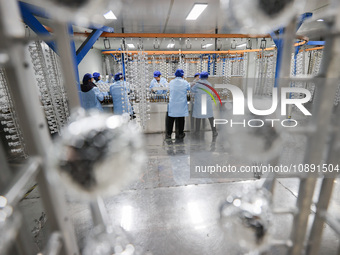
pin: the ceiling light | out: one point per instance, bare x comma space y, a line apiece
207, 45
241, 45
320, 20
196, 11
170, 45
131, 46
110, 15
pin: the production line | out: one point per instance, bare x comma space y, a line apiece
160, 127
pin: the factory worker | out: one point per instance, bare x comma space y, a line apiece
158, 81
91, 95
178, 106
197, 92
97, 77
196, 78
102, 86
119, 91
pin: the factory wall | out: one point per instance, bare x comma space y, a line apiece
91, 63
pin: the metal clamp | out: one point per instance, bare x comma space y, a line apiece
156, 44
188, 43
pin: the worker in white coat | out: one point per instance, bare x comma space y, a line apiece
158, 82
197, 91
91, 96
178, 106
102, 86
119, 91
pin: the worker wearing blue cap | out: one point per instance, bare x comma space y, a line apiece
91, 95
102, 86
96, 76
178, 106
197, 91
196, 78
158, 82
119, 91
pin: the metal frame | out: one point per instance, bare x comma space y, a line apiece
279, 42
38, 141
317, 145
35, 133
34, 24
87, 44
28, 11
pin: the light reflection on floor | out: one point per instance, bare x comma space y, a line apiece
166, 212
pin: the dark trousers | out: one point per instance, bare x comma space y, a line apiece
198, 124
169, 122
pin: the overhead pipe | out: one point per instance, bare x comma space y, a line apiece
167, 35
155, 52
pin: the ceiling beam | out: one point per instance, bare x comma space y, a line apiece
150, 52
161, 35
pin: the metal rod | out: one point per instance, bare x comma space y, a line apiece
67, 64
314, 241
293, 210
5, 173
156, 52
331, 221
321, 117
99, 213
54, 244
174, 35
326, 190
38, 141
16, 188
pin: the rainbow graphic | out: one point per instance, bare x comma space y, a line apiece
208, 92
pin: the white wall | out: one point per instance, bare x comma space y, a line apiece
91, 63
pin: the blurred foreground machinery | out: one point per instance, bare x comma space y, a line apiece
38, 93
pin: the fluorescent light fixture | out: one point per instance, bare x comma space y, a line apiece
170, 45
241, 45
110, 15
320, 20
196, 11
207, 45
107, 44
131, 46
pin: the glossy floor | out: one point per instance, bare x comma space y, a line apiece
166, 212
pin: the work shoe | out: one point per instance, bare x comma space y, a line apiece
181, 136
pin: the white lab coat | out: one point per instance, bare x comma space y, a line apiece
178, 106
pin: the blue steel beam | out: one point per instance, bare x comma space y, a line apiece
87, 45
316, 43
214, 61
28, 10
102, 28
209, 65
123, 66
34, 10
74, 57
35, 25
302, 18
278, 40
